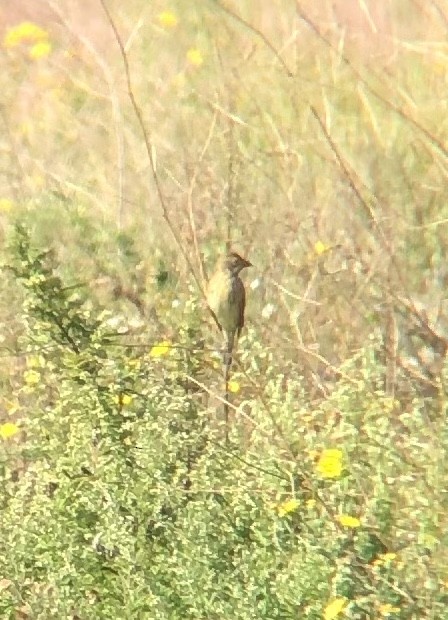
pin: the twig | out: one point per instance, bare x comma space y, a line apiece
115, 103
257, 32
373, 91
150, 150
190, 198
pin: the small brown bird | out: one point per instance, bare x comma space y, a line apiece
226, 298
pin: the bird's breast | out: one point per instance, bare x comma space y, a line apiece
222, 297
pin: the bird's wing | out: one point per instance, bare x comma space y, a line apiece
242, 306
215, 319
212, 294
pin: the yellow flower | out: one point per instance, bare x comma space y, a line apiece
348, 521
384, 559
168, 19
333, 609
123, 399
195, 57
160, 349
329, 464
35, 361
25, 31
387, 609
233, 387
7, 430
31, 377
285, 508
320, 248
5, 205
134, 363
387, 557
40, 50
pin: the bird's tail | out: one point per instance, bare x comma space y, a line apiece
227, 361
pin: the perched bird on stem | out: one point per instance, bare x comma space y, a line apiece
226, 298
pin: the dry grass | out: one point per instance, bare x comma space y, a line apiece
311, 139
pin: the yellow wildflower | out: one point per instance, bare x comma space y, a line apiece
134, 363
387, 557
40, 50
195, 57
160, 349
384, 559
5, 205
320, 248
348, 521
31, 377
7, 430
25, 31
168, 19
285, 508
35, 361
333, 609
123, 399
233, 387
329, 464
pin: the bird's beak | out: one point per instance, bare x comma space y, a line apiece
247, 263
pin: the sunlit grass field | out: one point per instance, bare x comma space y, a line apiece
138, 141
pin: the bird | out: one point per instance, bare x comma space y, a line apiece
226, 298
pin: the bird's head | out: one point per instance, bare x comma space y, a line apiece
234, 263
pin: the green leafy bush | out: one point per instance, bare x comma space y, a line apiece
122, 499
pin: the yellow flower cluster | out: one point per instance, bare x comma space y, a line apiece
30, 33
334, 608
6, 205
320, 248
233, 387
167, 19
195, 57
123, 400
384, 559
7, 430
329, 464
160, 349
287, 507
348, 521
40, 50
31, 377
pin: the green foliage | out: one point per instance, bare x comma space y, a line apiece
121, 499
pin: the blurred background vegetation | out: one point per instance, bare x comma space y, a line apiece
137, 141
